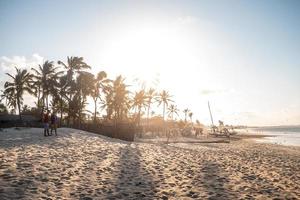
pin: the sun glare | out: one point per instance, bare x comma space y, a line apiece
150, 50
163, 55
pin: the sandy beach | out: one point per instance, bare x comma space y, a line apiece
82, 165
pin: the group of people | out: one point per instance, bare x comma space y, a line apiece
50, 120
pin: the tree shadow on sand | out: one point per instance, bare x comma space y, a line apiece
14, 186
214, 181
133, 181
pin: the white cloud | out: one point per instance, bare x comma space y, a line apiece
7, 64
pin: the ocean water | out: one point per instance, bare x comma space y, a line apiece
283, 135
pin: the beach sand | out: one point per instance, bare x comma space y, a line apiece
81, 165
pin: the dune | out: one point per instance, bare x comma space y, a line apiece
82, 165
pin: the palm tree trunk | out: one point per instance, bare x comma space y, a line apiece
164, 111
61, 112
43, 106
95, 113
148, 111
79, 116
69, 109
39, 97
164, 127
47, 101
19, 108
68, 119
139, 117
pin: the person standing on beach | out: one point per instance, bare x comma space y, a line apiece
53, 125
46, 123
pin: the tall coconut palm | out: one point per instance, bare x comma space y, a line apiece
107, 102
150, 96
164, 98
45, 77
74, 64
191, 116
99, 87
173, 110
139, 101
3, 109
76, 107
10, 99
185, 111
84, 86
59, 94
117, 101
14, 91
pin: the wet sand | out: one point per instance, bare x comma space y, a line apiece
82, 165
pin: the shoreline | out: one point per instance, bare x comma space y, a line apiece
277, 137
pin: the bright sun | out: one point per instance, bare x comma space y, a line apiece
151, 51
163, 56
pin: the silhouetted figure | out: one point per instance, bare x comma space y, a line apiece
46, 123
53, 125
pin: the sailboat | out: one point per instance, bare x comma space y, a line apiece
220, 131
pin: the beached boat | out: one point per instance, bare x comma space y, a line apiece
221, 130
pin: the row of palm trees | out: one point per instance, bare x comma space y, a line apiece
65, 87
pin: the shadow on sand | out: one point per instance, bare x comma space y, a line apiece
214, 182
133, 181
16, 186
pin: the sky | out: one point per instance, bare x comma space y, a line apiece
241, 56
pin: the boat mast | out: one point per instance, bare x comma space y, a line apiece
211, 118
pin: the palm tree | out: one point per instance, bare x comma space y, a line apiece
173, 110
76, 107
74, 64
84, 85
59, 94
10, 99
198, 123
14, 91
152, 113
108, 101
191, 116
139, 101
119, 102
164, 98
150, 95
45, 78
185, 111
3, 109
100, 84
